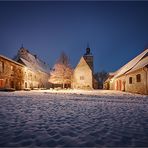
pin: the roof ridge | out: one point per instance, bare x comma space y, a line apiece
82, 58
125, 68
11, 60
139, 59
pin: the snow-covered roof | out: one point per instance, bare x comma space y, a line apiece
37, 63
28, 64
140, 64
127, 67
112, 73
33, 62
11, 60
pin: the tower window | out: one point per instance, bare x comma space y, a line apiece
81, 77
130, 80
138, 77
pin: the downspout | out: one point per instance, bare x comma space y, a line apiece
146, 80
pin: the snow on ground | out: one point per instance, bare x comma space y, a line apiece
73, 118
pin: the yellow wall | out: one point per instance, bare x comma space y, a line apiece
138, 87
82, 70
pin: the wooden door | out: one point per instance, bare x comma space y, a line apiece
1, 83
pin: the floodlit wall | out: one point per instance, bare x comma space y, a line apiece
130, 82
137, 86
11, 74
82, 77
17, 76
120, 83
35, 79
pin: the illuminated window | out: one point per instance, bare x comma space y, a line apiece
81, 77
30, 76
1, 66
138, 77
130, 80
12, 68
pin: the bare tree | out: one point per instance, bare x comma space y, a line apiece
101, 77
63, 59
62, 71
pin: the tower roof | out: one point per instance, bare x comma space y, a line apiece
87, 51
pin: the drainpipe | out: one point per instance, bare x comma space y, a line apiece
146, 80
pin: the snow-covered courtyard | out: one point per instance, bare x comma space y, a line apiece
73, 118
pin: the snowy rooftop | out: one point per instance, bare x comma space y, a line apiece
32, 61
132, 64
28, 64
142, 63
11, 60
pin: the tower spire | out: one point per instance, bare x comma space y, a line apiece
22, 46
87, 49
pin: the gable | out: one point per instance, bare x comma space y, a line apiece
32, 61
10, 60
82, 63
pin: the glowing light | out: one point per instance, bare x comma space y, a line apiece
112, 80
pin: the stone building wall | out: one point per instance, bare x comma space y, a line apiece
82, 77
18, 76
35, 79
36, 71
43, 79
137, 87
133, 76
11, 74
123, 83
109, 84
30, 79
119, 83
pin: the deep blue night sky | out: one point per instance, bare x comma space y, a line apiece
116, 31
